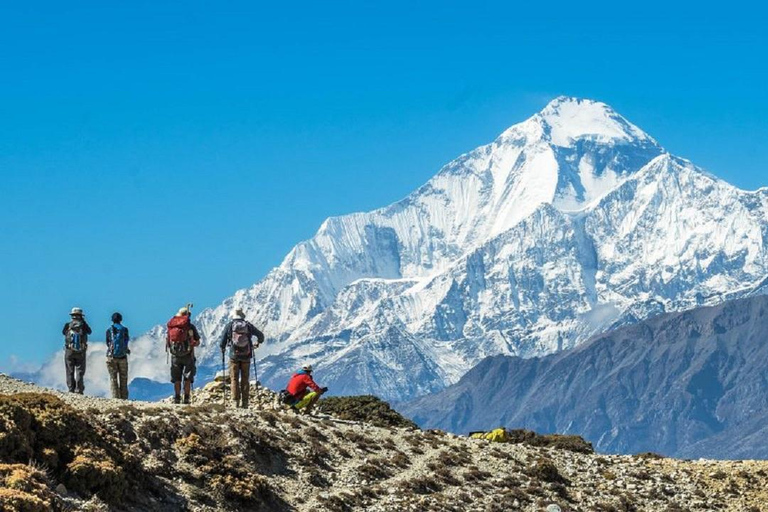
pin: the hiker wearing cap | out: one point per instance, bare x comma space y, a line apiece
181, 340
75, 333
117, 357
298, 389
238, 334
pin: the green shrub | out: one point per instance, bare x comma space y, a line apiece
367, 409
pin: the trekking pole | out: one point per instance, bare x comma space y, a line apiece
224, 394
255, 378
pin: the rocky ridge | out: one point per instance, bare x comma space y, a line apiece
71, 452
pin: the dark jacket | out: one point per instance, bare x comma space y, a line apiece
86, 330
226, 339
110, 334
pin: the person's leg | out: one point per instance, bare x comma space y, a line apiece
312, 403
113, 384
80, 372
122, 372
306, 400
190, 370
176, 379
245, 387
69, 366
234, 385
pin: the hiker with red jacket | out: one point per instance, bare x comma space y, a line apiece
75, 333
238, 334
181, 340
299, 389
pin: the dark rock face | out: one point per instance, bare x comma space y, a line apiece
691, 384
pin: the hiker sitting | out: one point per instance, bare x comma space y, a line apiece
75, 333
298, 389
181, 340
238, 334
117, 357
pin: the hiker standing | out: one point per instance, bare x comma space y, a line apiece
298, 388
239, 335
117, 357
181, 340
75, 333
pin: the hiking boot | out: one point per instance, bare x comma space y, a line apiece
186, 399
177, 399
244, 404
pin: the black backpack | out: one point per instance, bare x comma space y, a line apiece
286, 398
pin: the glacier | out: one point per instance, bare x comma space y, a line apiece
569, 224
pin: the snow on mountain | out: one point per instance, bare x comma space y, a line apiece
567, 224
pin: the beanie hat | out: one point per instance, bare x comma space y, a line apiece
183, 311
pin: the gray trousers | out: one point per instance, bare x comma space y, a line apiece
74, 363
118, 376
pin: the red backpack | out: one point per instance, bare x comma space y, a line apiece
178, 335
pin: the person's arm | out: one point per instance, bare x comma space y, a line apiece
259, 335
65, 329
195, 336
108, 339
225, 337
86, 327
311, 383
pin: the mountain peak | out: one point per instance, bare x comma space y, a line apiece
566, 119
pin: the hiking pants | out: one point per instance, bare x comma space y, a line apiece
238, 374
118, 376
183, 368
307, 401
74, 362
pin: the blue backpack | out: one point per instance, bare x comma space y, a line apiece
119, 341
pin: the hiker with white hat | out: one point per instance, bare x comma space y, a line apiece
181, 340
238, 334
75, 333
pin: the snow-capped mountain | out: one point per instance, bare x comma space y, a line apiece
567, 224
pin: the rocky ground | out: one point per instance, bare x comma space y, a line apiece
70, 452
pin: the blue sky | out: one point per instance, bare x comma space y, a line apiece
156, 153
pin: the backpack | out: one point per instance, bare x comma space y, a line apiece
241, 338
286, 398
76, 339
118, 341
178, 335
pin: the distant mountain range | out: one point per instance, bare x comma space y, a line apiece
569, 224
691, 384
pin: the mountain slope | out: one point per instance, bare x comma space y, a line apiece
569, 223
688, 384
